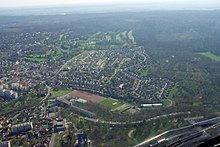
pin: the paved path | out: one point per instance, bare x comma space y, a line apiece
48, 93
134, 122
52, 140
130, 133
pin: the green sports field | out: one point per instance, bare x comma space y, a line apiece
111, 103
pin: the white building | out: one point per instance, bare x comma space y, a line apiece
8, 94
2, 91
5, 144
151, 105
14, 95
17, 86
21, 128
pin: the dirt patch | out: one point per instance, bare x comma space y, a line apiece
86, 96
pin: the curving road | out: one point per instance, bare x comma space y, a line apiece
48, 92
214, 122
164, 133
134, 122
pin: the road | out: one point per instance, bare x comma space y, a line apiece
141, 54
52, 140
164, 133
170, 104
213, 122
138, 85
63, 66
111, 122
134, 122
130, 133
162, 91
48, 93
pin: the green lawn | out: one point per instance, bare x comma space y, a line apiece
172, 92
111, 103
38, 57
131, 37
211, 56
118, 37
60, 92
170, 96
147, 71
124, 34
34, 59
125, 108
108, 38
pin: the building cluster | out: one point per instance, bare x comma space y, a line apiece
8, 94
29, 59
28, 55
25, 127
12, 88
59, 125
31, 126
5, 144
18, 87
64, 102
115, 73
112, 72
19, 128
82, 140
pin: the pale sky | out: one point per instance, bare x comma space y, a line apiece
20, 3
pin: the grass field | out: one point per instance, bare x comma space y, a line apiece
124, 108
60, 92
108, 38
131, 37
124, 34
34, 59
111, 103
172, 92
118, 37
211, 56
86, 96
169, 100
147, 71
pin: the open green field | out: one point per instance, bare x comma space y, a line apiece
60, 92
211, 56
109, 38
169, 100
123, 108
34, 59
147, 71
68, 45
111, 103
172, 92
131, 37
118, 37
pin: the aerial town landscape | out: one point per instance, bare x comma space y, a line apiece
100, 66
109, 79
